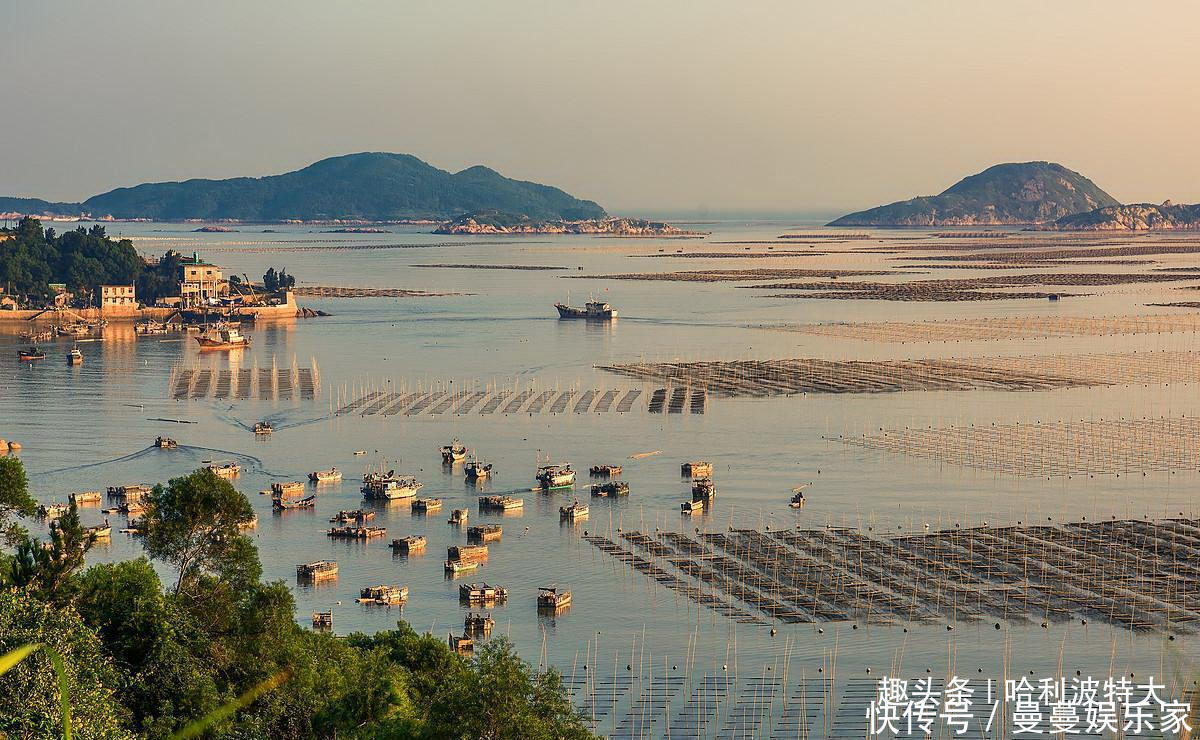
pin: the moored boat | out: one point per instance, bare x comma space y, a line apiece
477, 469
281, 502
226, 470
692, 507
383, 595
605, 471
574, 511
555, 476
52, 511
454, 567
695, 469
553, 597
611, 488
222, 337
79, 498
478, 624
703, 488
458, 516
356, 515
500, 503
317, 570
477, 593
426, 505
453, 452
325, 476
74, 356
31, 353
484, 533
356, 532
410, 544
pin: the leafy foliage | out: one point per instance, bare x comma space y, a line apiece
14, 497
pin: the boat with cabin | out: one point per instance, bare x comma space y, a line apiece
52, 511
573, 512
355, 515
478, 624
458, 516
282, 502
332, 475
484, 533
222, 336
356, 532
80, 498
605, 471
453, 452
99, 532
379, 485
227, 470
555, 476
553, 597
612, 488
410, 544
696, 469
165, 443
263, 427
592, 310
383, 595
703, 488
317, 570
74, 356
454, 567
692, 507
30, 354
426, 505
481, 593
477, 469
500, 503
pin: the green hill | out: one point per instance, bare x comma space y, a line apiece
1014, 193
370, 186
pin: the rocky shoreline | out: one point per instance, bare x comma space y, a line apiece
470, 225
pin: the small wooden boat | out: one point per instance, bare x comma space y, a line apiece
605, 471
356, 532
612, 488
99, 532
478, 624
555, 476
695, 469
165, 443
467, 553
222, 337
30, 354
797, 501
453, 452
477, 470
410, 544
484, 533
692, 507
263, 427
74, 357
462, 645
356, 515
281, 502
454, 567
322, 620
479, 593
552, 597
325, 476
287, 488
317, 570
458, 516
359, 453
79, 498
500, 503
576, 510
426, 505
703, 488
383, 595
226, 470
52, 511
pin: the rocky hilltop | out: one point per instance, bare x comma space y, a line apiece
371, 186
496, 222
1016, 193
1133, 217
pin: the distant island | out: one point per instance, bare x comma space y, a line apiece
1133, 217
499, 222
1028, 193
366, 187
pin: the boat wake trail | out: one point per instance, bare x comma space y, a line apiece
126, 458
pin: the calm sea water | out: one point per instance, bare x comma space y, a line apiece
89, 427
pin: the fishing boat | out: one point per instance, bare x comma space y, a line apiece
593, 310
283, 503
454, 567
30, 354
479, 593
575, 511
356, 532
227, 470
165, 443
52, 511
477, 470
703, 488
426, 505
357, 515
552, 597
79, 498
611, 489
325, 476
467, 553
458, 516
500, 503
287, 488
263, 427
222, 337
74, 356
695, 469
605, 471
149, 327
391, 489
35, 337
555, 476
462, 645
484, 533
383, 595
692, 507
322, 621
478, 624
99, 532
453, 452
317, 570
410, 544
797, 501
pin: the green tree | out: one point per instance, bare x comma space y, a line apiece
14, 498
270, 280
29, 693
195, 523
46, 567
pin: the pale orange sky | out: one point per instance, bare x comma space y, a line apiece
658, 104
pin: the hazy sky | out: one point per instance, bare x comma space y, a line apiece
640, 105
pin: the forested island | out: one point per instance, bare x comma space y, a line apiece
216, 651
